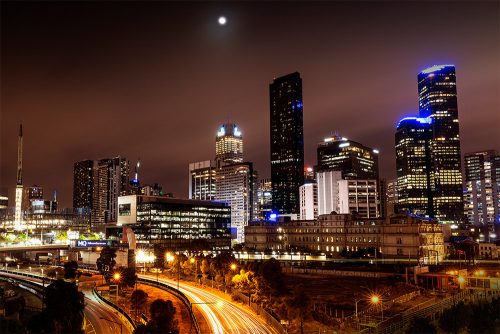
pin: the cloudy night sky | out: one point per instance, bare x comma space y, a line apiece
154, 80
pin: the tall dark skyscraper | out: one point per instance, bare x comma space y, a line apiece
437, 98
83, 184
413, 165
353, 159
287, 142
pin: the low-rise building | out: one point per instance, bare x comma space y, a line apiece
399, 236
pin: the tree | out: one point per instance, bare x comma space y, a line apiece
299, 306
63, 311
138, 299
70, 269
421, 326
162, 319
205, 269
106, 261
62, 236
455, 319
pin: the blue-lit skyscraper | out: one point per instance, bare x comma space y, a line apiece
413, 165
437, 99
428, 150
287, 143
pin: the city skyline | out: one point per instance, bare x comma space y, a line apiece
60, 79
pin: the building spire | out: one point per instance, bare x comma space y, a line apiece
20, 156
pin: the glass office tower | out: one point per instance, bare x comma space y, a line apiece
287, 143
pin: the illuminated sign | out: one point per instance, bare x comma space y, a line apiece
435, 68
92, 243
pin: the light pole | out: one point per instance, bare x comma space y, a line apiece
375, 300
116, 322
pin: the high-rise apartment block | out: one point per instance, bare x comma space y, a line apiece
97, 185
431, 182
482, 187
202, 180
287, 142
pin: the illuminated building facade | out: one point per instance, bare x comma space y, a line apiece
228, 145
482, 187
437, 99
390, 193
360, 197
236, 186
4, 204
399, 236
287, 142
353, 159
413, 166
176, 224
202, 180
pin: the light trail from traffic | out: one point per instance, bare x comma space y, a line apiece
222, 315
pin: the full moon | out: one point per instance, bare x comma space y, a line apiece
222, 20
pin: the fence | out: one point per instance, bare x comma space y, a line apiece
176, 293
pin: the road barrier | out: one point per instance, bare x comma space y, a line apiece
128, 320
178, 294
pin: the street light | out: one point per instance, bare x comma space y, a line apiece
234, 267
116, 322
375, 300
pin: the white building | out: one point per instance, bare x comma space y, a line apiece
308, 201
327, 182
347, 196
236, 186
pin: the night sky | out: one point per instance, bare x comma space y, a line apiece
154, 80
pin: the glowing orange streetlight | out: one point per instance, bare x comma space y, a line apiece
233, 267
376, 300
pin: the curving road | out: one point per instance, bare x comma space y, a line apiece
221, 315
94, 310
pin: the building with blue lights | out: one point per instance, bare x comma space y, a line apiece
428, 158
413, 165
287, 142
437, 98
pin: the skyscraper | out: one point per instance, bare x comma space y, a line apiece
97, 185
202, 180
413, 166
83, 184
228, 145
235, 180
353, 159
437, 98
482, 187
287, 142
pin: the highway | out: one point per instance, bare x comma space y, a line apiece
94, 310
221, 315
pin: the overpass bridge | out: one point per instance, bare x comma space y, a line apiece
23, 248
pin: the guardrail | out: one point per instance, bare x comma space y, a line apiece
130, 322
178, 294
